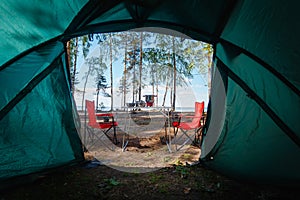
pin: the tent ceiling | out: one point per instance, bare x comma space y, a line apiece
28, 24
205, 23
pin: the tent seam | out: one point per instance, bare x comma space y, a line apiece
28, 51
251, 94
30, 86
267, 67
88, 10
205, 36
225, 18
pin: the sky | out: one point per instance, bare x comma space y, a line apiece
186, 96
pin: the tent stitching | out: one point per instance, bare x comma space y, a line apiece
28, 51
139, 20
94, 28
133, 12
88, 13
281, 124
224, 18
67, 64
8, 107
146, 14
266, 66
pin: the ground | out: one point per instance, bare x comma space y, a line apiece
177, 182
145, 170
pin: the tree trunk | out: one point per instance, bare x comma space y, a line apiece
111, 73
141, 66
97, 100
156, 94
125, 71
166, 89
154, 79
68, 47
153, 85
165, 94
156, 82
75, 66
174, 74
84, 86
171, 97
209, 74
134, 78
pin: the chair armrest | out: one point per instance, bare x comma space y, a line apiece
104, 115
175, 119
180, 118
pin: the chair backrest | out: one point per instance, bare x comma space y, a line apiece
199, 107
90, 106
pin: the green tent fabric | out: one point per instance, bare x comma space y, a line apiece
37, 123
253, 130
257, 57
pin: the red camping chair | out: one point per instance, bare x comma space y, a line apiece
194, 123
100, 121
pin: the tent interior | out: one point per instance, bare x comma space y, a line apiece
253, 128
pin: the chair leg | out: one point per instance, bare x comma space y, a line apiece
90, 140
112, 148
186, 141
200, 136
175, 130
124, 142
94, 137
115, 139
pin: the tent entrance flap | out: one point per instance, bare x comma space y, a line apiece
38, 132
251, 139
